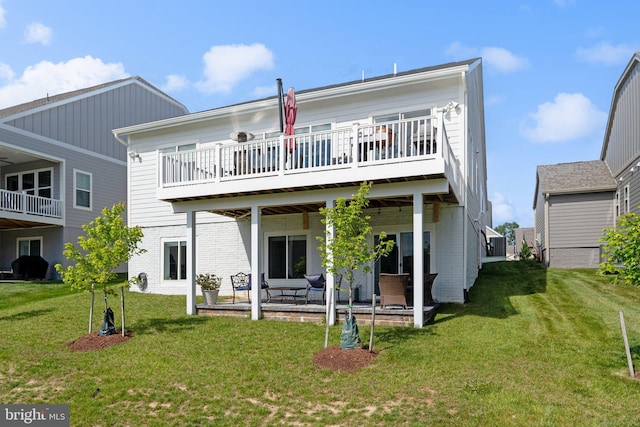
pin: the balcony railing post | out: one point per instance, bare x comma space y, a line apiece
282, 156
355, 145
217, 163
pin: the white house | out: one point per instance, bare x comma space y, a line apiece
210, 202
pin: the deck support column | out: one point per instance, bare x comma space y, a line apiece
256, 263
191, 262
330, 279
418, 262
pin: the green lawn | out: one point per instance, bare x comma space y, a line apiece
533, 347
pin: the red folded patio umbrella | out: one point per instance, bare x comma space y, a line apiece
291, 109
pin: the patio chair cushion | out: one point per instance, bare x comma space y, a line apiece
392, 289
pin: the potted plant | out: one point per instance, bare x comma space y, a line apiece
210, 285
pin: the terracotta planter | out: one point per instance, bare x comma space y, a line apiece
210, 296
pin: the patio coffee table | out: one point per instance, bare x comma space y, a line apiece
290, 292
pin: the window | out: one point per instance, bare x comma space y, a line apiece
177, 148
30, 246
36, 183
625, 197
617, 204
174, 260
287, 257
82, 184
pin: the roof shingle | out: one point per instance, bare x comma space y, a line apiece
575, 177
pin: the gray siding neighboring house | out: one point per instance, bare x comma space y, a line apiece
621, 146
573, 204
60, 164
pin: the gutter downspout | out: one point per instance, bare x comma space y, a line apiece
120, 140
547, 250
465, 175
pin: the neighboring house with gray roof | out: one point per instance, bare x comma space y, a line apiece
573, 204
60, 164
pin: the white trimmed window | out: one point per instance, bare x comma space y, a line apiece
82, 189
36, 182
30, 246
174, 260
625, 199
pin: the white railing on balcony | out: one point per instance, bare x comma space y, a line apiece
23, 203
355, 146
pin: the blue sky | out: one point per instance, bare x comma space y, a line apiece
550, 66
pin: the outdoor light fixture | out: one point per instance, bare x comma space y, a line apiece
450, 106
134, 155
241, 136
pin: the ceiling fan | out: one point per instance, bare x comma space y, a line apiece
4, 160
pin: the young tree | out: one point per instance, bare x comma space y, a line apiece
349, 249
621, 254
107, 243
525, 251
508, 230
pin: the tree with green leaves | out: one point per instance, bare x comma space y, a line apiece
508, 230
525, 251
621, 251
349, 249
107, 243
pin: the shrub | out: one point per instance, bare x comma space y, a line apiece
621, 251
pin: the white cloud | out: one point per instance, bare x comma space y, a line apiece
606, 53
265, 91
48, 78
175, 83
502, 209
569, 116
225, 66
6, 73
503, 60
496, 58
38, 33
3, 20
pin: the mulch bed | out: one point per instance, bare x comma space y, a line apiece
343, 360
93, 341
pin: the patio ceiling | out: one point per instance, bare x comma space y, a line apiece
398, 202
9, 223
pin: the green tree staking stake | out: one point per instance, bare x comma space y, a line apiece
107, 243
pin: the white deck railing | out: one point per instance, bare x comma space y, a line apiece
356, 146
23, 203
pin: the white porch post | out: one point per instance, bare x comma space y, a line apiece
418, 263
256, 264
191, 262
329, 286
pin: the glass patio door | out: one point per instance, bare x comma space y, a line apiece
400, 260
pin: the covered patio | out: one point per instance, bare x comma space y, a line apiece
316, 313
